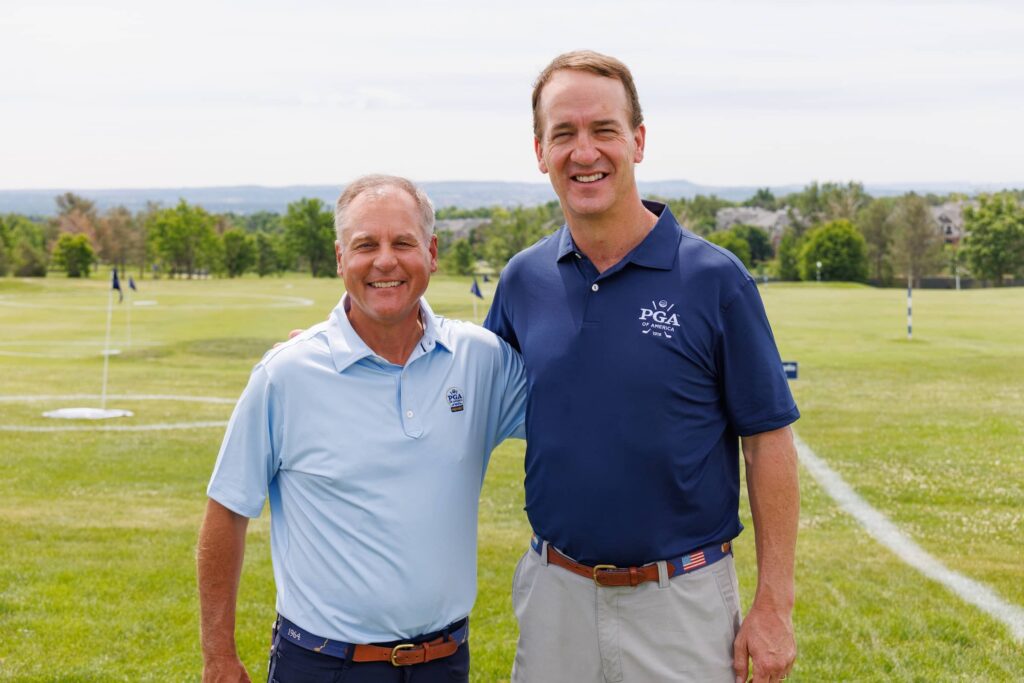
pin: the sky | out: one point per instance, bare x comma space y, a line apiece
113, 94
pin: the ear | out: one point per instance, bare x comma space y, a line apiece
639, 138
538, 149
337, 257
433, 253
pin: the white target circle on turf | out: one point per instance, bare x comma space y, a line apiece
201, 424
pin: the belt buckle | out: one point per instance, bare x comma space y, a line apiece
597, 568
395, 650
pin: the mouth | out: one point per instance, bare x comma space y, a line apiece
387, 284
592, 178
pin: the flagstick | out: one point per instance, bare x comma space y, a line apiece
106, 350
475, 318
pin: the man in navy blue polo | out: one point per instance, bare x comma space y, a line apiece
648, 357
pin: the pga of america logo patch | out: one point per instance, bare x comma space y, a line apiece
455, 400
659, 320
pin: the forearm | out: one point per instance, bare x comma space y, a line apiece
773, 487
218, 567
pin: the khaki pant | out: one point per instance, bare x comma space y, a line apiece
570, 630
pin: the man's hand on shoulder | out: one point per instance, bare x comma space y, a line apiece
291, 335
767, 638
224, 669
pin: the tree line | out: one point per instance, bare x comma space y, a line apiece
853, 236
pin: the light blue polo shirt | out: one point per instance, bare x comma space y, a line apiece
373, 472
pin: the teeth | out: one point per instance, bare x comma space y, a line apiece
589, 178
384, 285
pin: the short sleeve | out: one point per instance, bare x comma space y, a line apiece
247, 460
498, 320
756, 391
513, 394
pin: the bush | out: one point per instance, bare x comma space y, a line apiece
841, 250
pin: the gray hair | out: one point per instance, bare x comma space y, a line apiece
377, 184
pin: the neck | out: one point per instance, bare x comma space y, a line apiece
608, 237
393, 343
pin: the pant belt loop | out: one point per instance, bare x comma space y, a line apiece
662, 574
544, 554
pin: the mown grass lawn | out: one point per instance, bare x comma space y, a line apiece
97, 573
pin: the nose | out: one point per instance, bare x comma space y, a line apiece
385, 258
584, 152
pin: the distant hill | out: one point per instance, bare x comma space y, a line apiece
246, 199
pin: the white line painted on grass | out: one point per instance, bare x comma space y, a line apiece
886, 533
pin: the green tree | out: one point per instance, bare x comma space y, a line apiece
184, 238
27, 252
841, 250
309, 232
757, 240
270, 254
916, 243
74, 254
994, 245
239, 251
763, 199
789, 255
873, 223
6, 243
459, 259
728, 239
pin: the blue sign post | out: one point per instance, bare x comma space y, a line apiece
791, 367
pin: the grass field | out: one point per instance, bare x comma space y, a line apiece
97, 572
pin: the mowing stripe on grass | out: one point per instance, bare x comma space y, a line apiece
886, 533
115, 428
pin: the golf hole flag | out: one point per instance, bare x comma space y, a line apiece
116, 284
475, 290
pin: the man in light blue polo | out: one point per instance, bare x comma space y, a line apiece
369, 434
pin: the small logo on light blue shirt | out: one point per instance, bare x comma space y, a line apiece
455, 400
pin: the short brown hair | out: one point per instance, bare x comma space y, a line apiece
377, 184
595, 63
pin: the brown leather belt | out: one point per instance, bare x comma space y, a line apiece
608, 575
406, 654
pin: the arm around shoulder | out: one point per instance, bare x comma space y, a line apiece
219, 567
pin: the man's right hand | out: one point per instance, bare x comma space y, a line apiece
224, 669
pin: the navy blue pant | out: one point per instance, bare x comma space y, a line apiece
290, 663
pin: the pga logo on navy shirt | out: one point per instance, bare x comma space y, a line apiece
659, 320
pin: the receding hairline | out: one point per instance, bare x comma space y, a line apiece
377, 187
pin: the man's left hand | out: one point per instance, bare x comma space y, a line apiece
767, 638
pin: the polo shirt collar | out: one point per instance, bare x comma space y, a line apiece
348, 348
657, 250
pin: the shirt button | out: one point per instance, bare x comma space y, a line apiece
408, 413
578, 255
594, 287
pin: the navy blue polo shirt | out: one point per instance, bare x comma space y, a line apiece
640, 381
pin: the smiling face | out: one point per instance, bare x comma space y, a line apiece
386, 260
587, 145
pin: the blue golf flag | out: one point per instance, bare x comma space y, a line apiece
475, 290
486, 279
131, 283
116, 284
